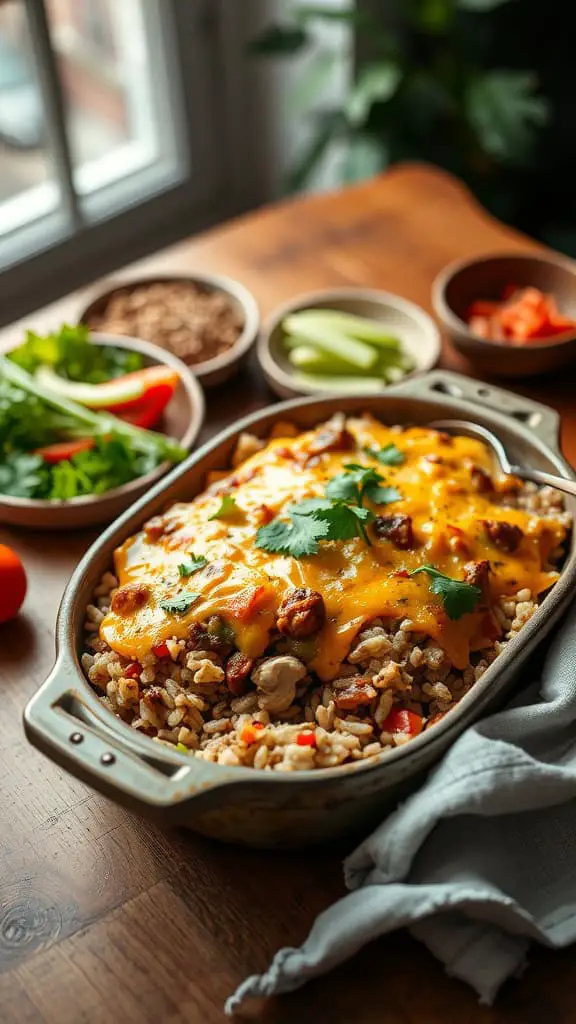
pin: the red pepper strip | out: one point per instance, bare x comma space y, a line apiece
53, 453
306, 739
133, 670
248, 601
157, 382
147, 411
161, 651
403, 721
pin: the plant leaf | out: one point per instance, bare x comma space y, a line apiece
458, 597
278, 41
365, 156
298, 538
505, 112
194, 564
228, 507
313, 80
376, 83
328, 125
390, 455
350, 15
181, 603
382, 495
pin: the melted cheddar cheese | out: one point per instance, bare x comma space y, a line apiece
244, 585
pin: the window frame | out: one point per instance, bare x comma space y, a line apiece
70, 251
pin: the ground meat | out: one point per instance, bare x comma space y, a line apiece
506, 536
332, 437
397, 529
477, 574
301, 613
238, 669
129, 598
210, 636
481, 480
357, 692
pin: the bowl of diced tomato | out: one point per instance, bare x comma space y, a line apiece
88, 422
512, 315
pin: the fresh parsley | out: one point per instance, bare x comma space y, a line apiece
194, 564
458, 597
180, 604
390, 455
23, 475
228, 507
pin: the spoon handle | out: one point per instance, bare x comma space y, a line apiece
539, 477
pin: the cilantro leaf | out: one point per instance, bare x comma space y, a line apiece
382, 495
297, 538
194, 563
228, 507
344, 487
458, 597
390, 455
344, 521
181, 603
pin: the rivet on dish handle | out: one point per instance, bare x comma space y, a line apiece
60, 723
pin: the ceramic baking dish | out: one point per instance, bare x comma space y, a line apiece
66, 720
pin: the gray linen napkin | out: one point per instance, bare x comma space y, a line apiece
479, 861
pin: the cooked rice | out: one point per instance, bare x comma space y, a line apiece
184, 699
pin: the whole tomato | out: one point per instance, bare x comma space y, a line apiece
12, 583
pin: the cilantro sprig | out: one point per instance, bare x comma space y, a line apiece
390, 455
458, 597
194, 564
341, 515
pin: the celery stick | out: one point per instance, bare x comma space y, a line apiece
337, 344
314, 360
345, 323
343, 385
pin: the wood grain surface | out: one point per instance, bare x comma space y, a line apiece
105, 918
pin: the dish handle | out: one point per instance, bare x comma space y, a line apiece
543, 421
60, 721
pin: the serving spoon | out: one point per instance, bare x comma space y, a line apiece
525, 473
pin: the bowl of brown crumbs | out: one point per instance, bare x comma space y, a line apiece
209, 321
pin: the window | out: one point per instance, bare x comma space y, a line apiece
108, 135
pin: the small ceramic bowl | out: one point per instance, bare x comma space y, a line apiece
183, 419
221, 367
465, 281
417, 331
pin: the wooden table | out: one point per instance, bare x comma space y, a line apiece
105, 918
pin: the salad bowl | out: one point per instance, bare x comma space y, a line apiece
182, 421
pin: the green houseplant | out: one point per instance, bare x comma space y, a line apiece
428, 84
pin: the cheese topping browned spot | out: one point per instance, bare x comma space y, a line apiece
245, 585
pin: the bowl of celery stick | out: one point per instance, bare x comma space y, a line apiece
346, 341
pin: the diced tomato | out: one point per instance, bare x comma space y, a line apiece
133, 670
258, 725
161, 651
306, 739
483, 307
402, 721
523, 315
403, 574
53, 453
265, 514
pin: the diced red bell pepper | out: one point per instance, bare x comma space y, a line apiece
306, 739
248, 601
133, 670
161, 651
403, 721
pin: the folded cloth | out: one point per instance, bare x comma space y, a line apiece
479, 861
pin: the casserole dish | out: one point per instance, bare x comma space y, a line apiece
67, 721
